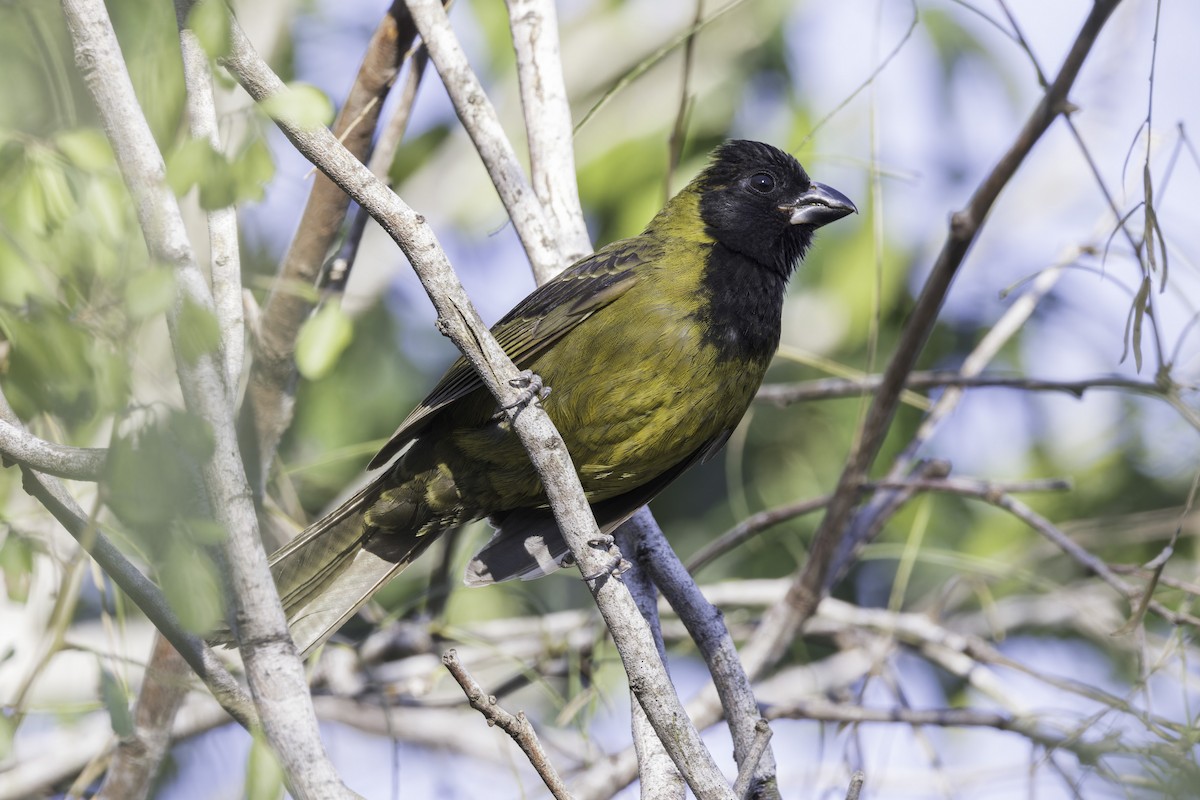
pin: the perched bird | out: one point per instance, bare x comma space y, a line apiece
652, 349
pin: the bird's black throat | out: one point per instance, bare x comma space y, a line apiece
742, 305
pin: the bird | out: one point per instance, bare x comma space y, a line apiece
650, 350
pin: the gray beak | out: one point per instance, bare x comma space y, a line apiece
819, 206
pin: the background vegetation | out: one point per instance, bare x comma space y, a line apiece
1005, 648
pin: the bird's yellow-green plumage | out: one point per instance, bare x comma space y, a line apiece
652, 349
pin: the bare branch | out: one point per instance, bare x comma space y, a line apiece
285, 310
785, 394
657, 774
706, 626
518, 727
458, 319
19, 446
137, 759
782, 621
854, 790
477, 115
544, 100
273, 667
225, 262
744, 786
757, 523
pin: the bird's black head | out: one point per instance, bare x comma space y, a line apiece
759, 202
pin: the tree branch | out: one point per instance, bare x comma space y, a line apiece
658, 776
21, 447
274, 370
458, 319
548, 130
477, 115
225, 263
274, 670
516, 726
706, 625
145, 595
782, 621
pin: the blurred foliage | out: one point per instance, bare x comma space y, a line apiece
81, 305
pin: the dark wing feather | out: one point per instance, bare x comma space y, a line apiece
537, 322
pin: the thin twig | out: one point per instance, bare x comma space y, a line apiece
744, 785
516, 726
380, 163
785, 394
757, 523
781, 622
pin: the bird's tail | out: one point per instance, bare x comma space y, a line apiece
333, 567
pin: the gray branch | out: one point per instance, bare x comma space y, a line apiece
706, 625
657, 774
548, 129
74, 463
225, 261
478, 116
458, 320
273, 668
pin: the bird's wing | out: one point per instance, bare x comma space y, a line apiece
537, 322
527, 543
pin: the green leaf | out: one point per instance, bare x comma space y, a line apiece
86, 148
323, 338
189, 165
16, 565
300, 104
190, 582
252, 169
264, 777
117, 703
21, 280
209, 20
151, 476
149, 293
199, 333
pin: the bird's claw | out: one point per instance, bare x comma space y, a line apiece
531, 386
617, 565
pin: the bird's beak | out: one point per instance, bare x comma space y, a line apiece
819, 206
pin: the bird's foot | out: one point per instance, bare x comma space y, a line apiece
617, 565
531, 386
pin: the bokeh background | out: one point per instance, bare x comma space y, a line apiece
903, 106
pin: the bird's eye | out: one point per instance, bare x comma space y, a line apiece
762, 183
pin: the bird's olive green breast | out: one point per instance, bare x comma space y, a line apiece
639, 386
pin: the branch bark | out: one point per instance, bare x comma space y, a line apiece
75, 463
534, 25
273, 668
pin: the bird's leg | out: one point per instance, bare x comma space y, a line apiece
617, 564
531, 386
